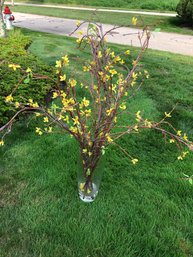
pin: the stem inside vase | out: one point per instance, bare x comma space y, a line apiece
89, 182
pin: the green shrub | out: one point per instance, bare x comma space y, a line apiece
14, 50
185, 11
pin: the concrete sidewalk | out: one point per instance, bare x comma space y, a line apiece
175, 43
96, 9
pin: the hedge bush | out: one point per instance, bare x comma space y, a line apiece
14, 50
185, 11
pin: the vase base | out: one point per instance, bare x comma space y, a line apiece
88, 198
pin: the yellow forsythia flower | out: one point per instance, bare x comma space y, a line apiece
185, 137
112, 54
95, 87
55, 95
101, 73
113, 72
8, 98
28, 70
127, 52
38, 131
179, 133
88, 112
65, 60
148, 123
138, 116
58, 64
109, 139
60, 117
146, 74
88, 191
136, 128
133, 83
78, 40
66, 119
75, 120
122, 62
63, 78
81, 186
49, 129
168, 115
46, 119
17, 105
72, 82
1, 142
85, 102
172, 140
184, 154
117, 59
134, 75
134, 21
78, 23
86, 68
100, 54
107, 77
123, 106
108, 112
35, 105
134, 161
14, 66
90, 143
106, 67
114, 88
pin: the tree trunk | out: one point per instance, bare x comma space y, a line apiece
2, 25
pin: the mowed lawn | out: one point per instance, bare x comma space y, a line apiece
168, 5
144, 210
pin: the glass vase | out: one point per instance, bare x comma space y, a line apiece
89, 178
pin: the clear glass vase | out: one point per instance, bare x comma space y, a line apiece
89, 179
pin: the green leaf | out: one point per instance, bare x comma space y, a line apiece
191, 181
157, 30
27, 80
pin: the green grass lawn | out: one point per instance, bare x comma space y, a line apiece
141, 211
169, 24
131, 4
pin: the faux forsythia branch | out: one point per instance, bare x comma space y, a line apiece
92, 120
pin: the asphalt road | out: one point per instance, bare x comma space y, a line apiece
175, 43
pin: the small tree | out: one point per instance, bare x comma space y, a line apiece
2, 25
185, 11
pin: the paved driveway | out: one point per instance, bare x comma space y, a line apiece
175, 43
